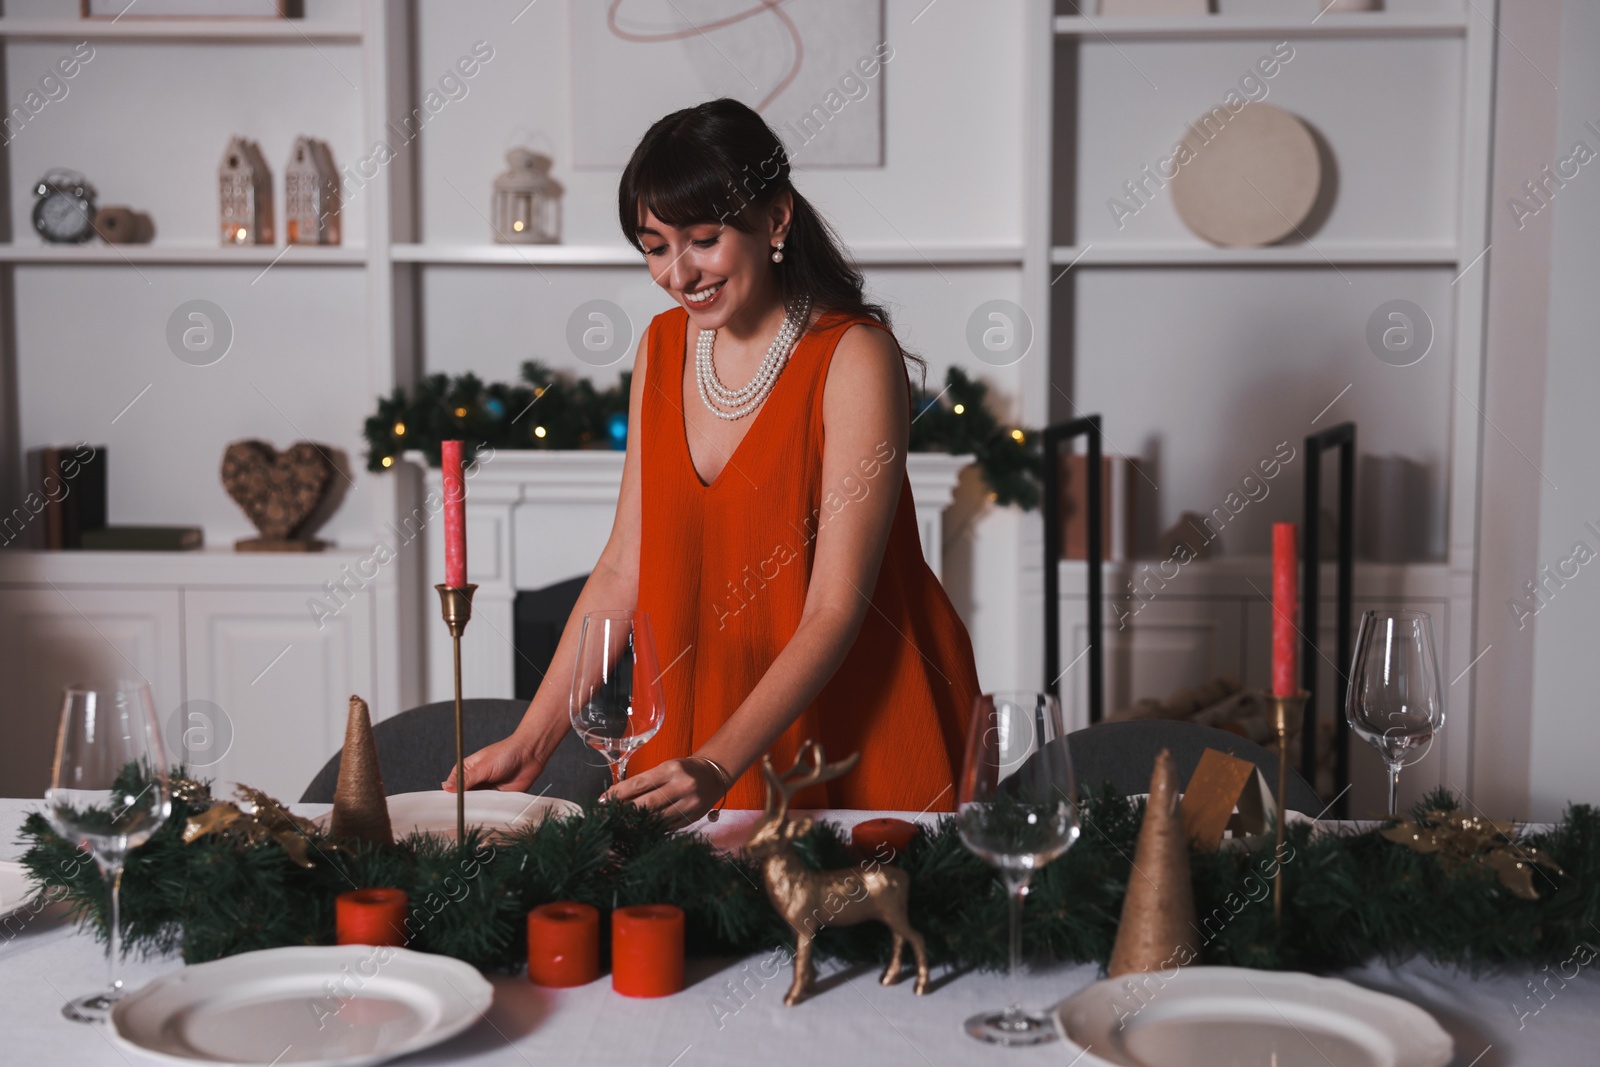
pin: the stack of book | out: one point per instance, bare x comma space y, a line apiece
66, 505
68, 494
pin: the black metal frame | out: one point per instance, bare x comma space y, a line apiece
1342, 437
1054, 437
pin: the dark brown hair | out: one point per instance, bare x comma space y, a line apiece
720, 162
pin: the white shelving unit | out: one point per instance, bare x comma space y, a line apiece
624, 256
1148, 324
228, 641
1174, 254
224, 30
318, 334
184, 255
1264, 325
1239, 27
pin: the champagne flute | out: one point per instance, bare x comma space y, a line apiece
1017, 811
1394, 700
108, 735
617, 703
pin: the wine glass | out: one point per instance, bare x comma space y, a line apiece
1017, 811
108, 793
617, 703
1395, 701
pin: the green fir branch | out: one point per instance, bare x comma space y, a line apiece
1349, 897
546, 410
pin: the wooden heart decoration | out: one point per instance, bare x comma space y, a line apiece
278, 491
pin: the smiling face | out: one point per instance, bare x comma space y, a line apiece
719, 273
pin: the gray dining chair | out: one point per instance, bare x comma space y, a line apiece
417, 751
1123, 754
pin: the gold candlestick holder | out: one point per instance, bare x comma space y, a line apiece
455, 604
1287, 713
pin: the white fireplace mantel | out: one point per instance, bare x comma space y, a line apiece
535, 518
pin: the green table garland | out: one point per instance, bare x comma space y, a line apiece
1351, 897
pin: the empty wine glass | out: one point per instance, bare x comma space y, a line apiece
1395, 701
1017, 811
617, 704
108, 793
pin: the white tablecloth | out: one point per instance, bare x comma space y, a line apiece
851, 1020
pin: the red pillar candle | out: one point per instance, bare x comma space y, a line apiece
647, 950
563, 944
371, 917
455, 516
1285, 612
882, 839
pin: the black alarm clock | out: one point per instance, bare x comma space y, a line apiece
64, 213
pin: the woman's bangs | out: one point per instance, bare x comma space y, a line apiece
682, 192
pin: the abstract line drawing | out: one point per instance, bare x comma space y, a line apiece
802, 64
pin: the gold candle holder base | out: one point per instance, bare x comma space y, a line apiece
455, 604
1287, 712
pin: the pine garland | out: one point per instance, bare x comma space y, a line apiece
546, 410
1350, 897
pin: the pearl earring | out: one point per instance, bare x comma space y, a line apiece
777, 253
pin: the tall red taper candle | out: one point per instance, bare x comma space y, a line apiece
455, 516
1285, 613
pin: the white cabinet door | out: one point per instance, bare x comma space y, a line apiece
269, 687
50, 637
1166, 644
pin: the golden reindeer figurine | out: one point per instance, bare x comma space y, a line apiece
809, 900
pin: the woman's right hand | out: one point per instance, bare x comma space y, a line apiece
511, 764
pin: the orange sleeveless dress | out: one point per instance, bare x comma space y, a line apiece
723, 572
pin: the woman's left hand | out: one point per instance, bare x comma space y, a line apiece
684, 788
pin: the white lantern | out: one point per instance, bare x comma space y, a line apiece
311, 194
245, 186
527, 201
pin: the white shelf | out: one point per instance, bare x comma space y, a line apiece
195, 29
624, 256
1249, 577
1376, 24
519, 255
203, 255
1322, 254
212, 566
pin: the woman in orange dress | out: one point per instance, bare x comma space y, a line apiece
768, 528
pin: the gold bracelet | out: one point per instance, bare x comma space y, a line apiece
727, 784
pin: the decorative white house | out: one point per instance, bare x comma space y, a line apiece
245, 186
311, 202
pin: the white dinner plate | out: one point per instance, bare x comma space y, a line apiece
14, 888
497, 811
327, 1006
1237, 1015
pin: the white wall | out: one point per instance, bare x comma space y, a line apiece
1203, 373
952, 175
1513, 406
952, 124
1566, 679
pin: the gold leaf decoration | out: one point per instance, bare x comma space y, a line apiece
267, 820
1458, 840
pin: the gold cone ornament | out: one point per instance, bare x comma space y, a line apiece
359, 807
1158, 925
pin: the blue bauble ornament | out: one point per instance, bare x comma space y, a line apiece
617, 428
495, 407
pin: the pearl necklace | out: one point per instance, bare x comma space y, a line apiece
743, 401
